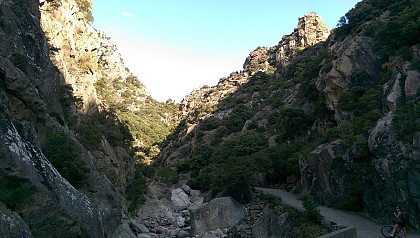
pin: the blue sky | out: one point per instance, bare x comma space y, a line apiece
175, 46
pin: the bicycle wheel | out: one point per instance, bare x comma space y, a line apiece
386, 230
399, 233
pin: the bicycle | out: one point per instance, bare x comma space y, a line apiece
399, 231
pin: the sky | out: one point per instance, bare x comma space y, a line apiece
176, 46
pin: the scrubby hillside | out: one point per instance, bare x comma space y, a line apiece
337, 116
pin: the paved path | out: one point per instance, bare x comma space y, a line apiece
366, 228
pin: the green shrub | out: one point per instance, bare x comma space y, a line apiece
238, 117
63, 154
137, 188
347, 101
86, 7
243, 143
167, 176
272, 200
293, 122
404, 121
285, 160
91, 136
402, 25
276, 99
16, 192
219, 134
303, 227
311, 207
233, 176
210, 123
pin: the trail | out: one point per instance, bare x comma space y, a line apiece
366, 228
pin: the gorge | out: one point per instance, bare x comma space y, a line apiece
86, 152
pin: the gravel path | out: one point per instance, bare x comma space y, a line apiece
366, 228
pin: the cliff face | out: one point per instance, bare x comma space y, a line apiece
50, 61
82, 54
337, 116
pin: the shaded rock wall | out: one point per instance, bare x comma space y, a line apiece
33, 65
392, 167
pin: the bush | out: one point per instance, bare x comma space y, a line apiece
272, 200
86, 7
91, 136
137, 188
16, 192
304, 228
311, 207
238, 117
404, 121
167, 176
293, 122
285, 160
402, 25
63, 154
210, 123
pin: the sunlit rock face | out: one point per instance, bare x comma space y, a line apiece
309, 31
82, 54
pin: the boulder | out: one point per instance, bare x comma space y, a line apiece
270, 223
180, 199
218, 213
138, 227
124, 231
325, 171
186, 189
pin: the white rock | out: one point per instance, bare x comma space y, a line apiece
180, 199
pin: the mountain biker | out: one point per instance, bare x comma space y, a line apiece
399, 220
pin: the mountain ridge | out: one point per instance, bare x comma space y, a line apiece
326, 114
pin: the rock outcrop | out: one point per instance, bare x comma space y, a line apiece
354, 53
81, 53
202, 102
220, 213
326, 171
309, 31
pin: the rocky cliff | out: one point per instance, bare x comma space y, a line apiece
63, 174
271, 60
333, 114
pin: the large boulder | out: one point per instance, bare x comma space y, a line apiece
270, 224
220, 213
326, 171
180, 199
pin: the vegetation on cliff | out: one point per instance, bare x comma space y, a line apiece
337, 117
283, 111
